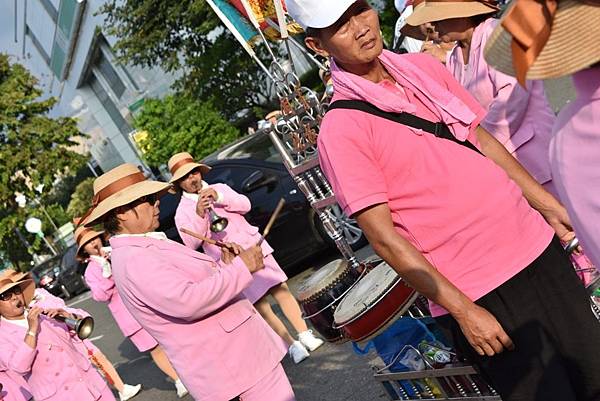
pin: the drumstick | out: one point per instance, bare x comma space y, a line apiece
203, 238
272, 220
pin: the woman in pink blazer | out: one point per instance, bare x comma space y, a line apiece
519, 117
43, 350
98, 276
14, 386
197, 197
191, 304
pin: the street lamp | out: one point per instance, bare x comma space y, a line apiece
34, 226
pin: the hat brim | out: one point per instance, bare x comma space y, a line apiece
27, 287
439, 11
186, 168
574, 23
87, 238
125, 197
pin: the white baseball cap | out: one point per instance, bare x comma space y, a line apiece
317, 13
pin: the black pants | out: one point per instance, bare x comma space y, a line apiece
546, 312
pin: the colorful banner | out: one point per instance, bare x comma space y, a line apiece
234, 21
262, 11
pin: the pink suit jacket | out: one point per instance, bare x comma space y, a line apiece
57, 369
519, 118
14, 386
193, 307
238, 230
103, 290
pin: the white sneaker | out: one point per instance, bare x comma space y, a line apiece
309, 340
297, 352
129, 392
181, 390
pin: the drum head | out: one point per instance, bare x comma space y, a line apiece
366, 293
321, 279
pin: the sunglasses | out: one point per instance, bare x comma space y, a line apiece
151, 199
8, 294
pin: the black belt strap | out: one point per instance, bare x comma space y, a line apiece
440, 130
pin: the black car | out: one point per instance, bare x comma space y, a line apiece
252, 166
61, 275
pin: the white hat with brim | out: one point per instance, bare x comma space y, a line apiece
317, 13
119, 187
432, 11
182, 164
571, 46
8, 280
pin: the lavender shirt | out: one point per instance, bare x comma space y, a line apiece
575, 157
520, 118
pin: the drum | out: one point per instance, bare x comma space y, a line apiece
320, 293
375, 302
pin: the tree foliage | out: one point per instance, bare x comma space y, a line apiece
81, 199
186, 37
35, 150
180, 124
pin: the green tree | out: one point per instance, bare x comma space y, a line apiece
180, 124
185, 37
81, 199
35, 150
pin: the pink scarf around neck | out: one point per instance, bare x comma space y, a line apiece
451, 110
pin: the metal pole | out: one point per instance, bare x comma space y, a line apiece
49, 245
89, 164
24, 27
48, 216
16, 21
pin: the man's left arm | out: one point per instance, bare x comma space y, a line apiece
540, 199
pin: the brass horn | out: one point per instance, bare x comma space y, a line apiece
217, 223
83, 327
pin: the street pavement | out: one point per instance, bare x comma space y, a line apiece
332, 373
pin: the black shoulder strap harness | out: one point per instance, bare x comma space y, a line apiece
440, 130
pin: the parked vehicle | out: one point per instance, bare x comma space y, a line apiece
61, 275
252, 166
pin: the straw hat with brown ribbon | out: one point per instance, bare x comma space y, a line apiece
439, 10
119, 187
10, 278
182, 163
545, 38
83, 235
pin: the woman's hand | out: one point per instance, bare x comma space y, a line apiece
58, 312
230, 251
204, 202
33, 319
435, 50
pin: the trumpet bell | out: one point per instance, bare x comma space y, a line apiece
217, 223
83, 327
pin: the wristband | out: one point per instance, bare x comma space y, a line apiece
31, 333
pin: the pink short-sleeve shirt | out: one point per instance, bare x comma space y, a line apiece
457, 207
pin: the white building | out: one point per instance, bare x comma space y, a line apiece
62, 43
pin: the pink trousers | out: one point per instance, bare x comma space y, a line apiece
273, 387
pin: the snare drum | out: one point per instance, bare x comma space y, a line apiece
320, 293
375, 302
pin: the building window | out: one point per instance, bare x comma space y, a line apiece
109, 106
37, 44
50, 9
110, 75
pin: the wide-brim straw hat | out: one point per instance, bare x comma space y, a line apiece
8, 280
439, 10
83, 235
182, 163
566, 41
119, 187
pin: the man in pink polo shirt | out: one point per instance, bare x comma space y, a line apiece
459, 226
